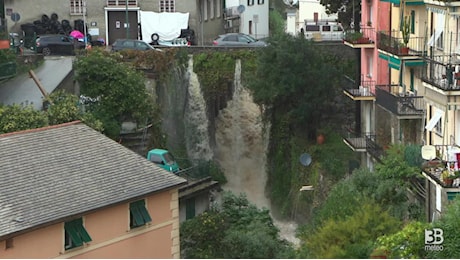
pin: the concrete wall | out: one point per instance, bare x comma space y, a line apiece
110, 233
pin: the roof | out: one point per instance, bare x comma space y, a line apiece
52, 173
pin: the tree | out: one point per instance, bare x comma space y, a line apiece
450, 225
351, 237
16, 118
405, 244
296, 80
119, 89
346, 10
233, 229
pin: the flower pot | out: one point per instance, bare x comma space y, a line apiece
4, 44
404, 50
448, 182
320, 139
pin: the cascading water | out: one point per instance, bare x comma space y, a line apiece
196, 121
241, 145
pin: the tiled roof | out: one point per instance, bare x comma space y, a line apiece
51, 173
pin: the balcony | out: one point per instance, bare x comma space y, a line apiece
360, 39
389, 43
442, 72
362, 93
363, 142
404, 105
433, 171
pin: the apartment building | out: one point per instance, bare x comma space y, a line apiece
408, 90
68, 191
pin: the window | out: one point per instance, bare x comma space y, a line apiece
75, 234
76, 7
211, 9
250, 2
438, 127
218, 6
138, 214
167, 6
260, 2
205, 9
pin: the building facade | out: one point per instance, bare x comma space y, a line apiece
74, 193
107, 19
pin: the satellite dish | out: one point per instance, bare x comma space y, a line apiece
241, 9
428, 152
305, 159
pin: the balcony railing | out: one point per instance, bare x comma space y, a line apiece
399, 103
373, 148
363, 142
443, 72
363, 38
391, 42
356, 141
365, 91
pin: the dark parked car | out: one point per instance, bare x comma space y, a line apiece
53, 44
237, 39
131, 44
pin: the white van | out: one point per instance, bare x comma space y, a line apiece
323, 32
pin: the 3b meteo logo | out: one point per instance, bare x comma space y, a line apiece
433, 239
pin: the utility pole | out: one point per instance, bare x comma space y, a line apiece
127, 19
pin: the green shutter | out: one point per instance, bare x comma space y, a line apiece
77, 232
73, 233
190, 208
412, 21
139, 213
412, 80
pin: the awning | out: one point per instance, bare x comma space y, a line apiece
434, 120
438, 30
393, 62
414, 63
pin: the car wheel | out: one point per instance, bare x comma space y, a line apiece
46, 51
155, 37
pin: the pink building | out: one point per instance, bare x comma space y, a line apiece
67, 191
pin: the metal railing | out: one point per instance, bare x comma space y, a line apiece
392, 98
363, 36
392, 42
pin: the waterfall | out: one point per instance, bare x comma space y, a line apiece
241, 149
196, 121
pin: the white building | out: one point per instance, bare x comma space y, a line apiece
309, 10
247, 16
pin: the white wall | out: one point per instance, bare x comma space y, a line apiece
259, 28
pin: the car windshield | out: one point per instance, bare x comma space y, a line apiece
249, 38
168, 158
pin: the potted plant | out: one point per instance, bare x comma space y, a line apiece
405, 30
449, 177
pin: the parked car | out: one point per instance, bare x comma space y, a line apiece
131, 44
237, 39
52, 44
